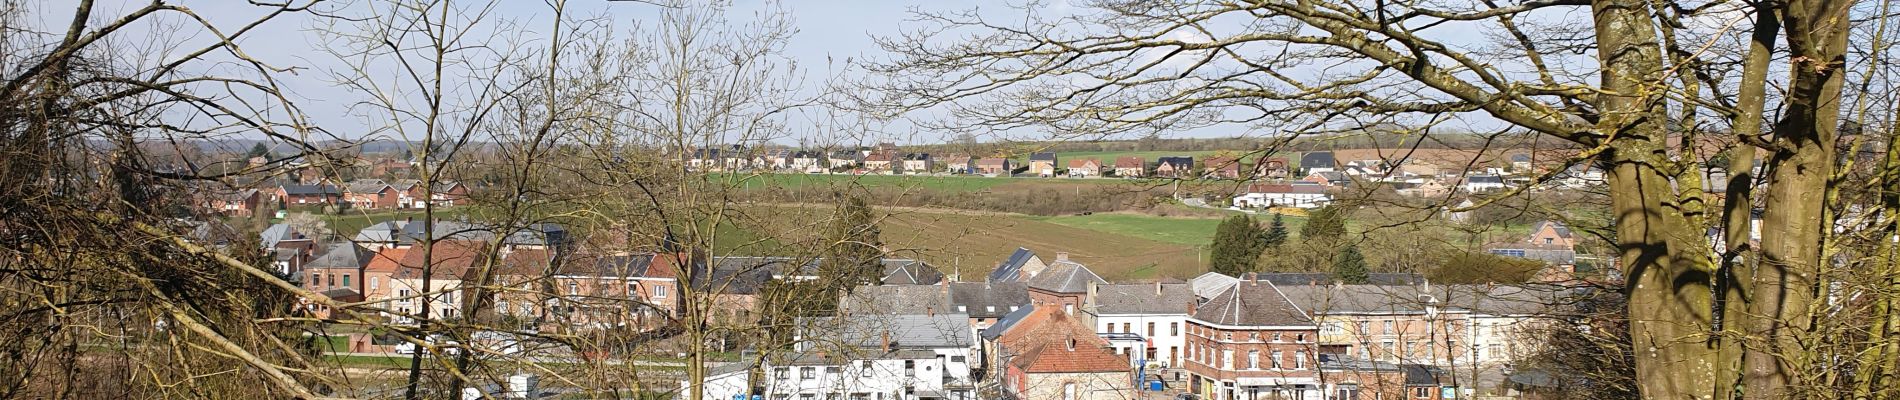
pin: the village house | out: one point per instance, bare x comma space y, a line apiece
288, 248
1174, 167
1042, 164
1482, 183
957, 164
1156, 312
1248, 341
1221, 167
807, 161
295, 194
337, 273
1019, 267
1549, 241
897, 357
773, 159
877, 162
1131, 167
917, 163
843, 159
1271, 168
1045, 353
1085, 168
379, 276
239, 203
370, 194
380, 235
445, 264
1331, 178
1064, 284
995, 166
1298, 195
1317, 161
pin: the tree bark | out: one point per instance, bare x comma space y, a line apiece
1669, 297
1738, 208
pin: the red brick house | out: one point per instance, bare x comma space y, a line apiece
241, 203
1049, 354
994, 166
309, 194
447, 193
1064, 285
1249, 341
1221, 167
370, 194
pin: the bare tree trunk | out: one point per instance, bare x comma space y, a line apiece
1739, 206
1794, 218
1669, 304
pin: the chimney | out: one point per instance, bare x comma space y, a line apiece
1062, 256
930, 311
1190, 306
887, 341
1253, 279
1157, 288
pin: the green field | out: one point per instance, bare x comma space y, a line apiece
1108, 157
1188, 231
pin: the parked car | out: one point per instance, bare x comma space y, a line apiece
450, 347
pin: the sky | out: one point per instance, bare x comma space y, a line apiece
828, 33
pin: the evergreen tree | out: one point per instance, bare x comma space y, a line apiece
1350, 266
855, 252
1327, 222
258, 150
1276, 233
1237, 244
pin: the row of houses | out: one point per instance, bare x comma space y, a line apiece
1036, 330
358, 194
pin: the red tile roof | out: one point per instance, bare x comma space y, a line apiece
1130, 162
1050, 341
386, 260
452, 258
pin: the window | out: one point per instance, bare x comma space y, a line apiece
1347, 392
1151, 329
1388, 327
1068, 309
1253, 359
1362, 327
573, 289
372, 283
346, 280
1068, 391
1549, 240
1277, 359
1276, 337
632, 289
1300, 338
332, 278
1299, 359
910, 368
1226, 359
402, 293
659, 292
1125, 328
316, 280
1387, 347
1174, 328
864, 368
829, 371
807, 373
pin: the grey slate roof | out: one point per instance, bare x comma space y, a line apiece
1012, 268
628, 265
1007, 322
1252, 304
277, 233
897, 299
906, 331
1403, 299
898, 271
1562, 230
1144, 298
1051, 157
1317, 159
367, 185
342, 255
988, 300
310, 190
1211, 284
1064, 276
381, 232
1285, 279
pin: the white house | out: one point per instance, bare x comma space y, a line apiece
1155, 312
1299, 195
1482, 183
895, 357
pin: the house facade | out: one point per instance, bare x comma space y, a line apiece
309, 194
370, 194
1156, 313
1042, 164
995, 166
1250, 342
1174, 167
1131, 167
1261, 195
1085, 168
